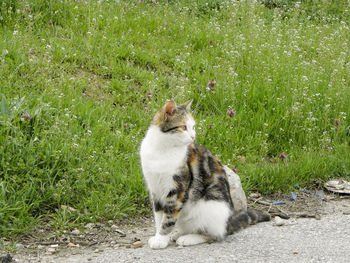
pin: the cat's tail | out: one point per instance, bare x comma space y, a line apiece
243, 219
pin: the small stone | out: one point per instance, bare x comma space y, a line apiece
41, 247
254, 195
19, 246
75, 232
89, 259
279, 221
54, 245
346, 212
70, 244
51, 250
138, 244
113, 242
295, 252
89, 225
65, 207
115, 229
96, 250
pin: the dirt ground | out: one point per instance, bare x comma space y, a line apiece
46, 246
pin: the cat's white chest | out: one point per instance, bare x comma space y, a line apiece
160, 164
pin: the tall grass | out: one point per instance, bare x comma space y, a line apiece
80, 81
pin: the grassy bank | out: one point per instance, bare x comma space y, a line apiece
81, 80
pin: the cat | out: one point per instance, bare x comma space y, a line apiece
188, 185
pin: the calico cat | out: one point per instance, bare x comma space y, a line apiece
188, 185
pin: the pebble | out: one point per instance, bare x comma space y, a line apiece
50, 250
279, 221
138, 244
346, 212
75, 232
254, 195
89, 225
116, 229
19, 246
65, 207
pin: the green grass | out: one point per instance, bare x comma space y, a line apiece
91, 74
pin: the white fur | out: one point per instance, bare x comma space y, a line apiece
205, 217
191, 240
162, 154
159, 241
190, 128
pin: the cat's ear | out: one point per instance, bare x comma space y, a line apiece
169, 108
186, 105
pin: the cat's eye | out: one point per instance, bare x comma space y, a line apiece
184, 127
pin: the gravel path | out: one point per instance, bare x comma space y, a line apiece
298, 240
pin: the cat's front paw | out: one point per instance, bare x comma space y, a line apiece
158, 241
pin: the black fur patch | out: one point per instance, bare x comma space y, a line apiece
168, 224
169, 209
172, 193
158, 206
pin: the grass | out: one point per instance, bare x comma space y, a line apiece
81, 80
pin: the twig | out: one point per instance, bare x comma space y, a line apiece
256, 200
263, 202
269, 208
279, 213
308, 215
282, 211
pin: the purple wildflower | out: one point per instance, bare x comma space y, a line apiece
231, 113
283, 156
211, 84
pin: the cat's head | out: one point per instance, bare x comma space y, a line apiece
176, 122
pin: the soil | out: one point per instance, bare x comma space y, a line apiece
46, 245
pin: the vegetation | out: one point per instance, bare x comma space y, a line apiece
81, 80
